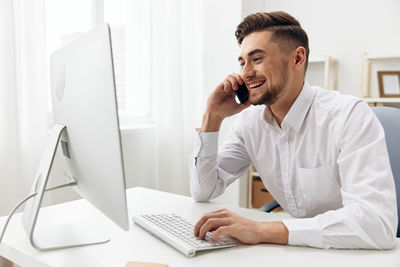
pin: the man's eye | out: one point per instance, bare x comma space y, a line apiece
256, 59
241, 64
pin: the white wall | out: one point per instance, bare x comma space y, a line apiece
346, 29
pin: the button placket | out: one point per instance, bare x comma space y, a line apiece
284, 163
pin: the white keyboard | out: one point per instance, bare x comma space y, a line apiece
178, 232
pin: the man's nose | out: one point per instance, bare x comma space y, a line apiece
247, 71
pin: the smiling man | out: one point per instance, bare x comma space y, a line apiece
322, 155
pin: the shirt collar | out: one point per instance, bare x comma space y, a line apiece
297, 113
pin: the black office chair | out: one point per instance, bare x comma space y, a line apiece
390, 120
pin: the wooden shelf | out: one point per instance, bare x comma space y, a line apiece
317, 60
365, 83
382, 99
330, 63
382, 57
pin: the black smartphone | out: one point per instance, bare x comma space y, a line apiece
242, 93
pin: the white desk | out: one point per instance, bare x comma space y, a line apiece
139, 245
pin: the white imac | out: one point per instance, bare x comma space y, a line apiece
87, 131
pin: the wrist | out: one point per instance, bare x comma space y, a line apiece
211, 122
273, 232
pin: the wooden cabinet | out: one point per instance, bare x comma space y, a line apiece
258, 195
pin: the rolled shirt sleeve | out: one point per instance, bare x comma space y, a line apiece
212, 169
203, 163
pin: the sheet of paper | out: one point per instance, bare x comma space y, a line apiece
144, 264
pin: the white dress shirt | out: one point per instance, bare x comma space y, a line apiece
327, 166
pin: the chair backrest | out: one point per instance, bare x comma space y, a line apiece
390, 120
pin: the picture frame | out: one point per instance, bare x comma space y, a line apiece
389, 83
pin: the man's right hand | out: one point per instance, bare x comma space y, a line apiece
222, 104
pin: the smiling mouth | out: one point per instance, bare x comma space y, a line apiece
255, 85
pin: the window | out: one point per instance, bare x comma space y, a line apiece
130, 24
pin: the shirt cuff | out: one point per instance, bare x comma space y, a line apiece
304, 232
205, 144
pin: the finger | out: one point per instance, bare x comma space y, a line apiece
203, 220
214, 214
220, 86
219, 211
227, 86
233, 81
223, 230
238, 78
212, 224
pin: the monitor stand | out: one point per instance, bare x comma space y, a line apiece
57, 236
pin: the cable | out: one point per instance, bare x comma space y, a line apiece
26, 199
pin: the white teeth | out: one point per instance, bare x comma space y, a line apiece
255, 84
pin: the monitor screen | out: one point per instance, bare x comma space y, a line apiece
84, 100
87, 133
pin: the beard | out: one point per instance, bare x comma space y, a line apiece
269, 97
272, 92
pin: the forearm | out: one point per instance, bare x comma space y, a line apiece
210, 123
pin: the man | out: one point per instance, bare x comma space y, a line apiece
322, 155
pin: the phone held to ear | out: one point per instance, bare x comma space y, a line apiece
242, 93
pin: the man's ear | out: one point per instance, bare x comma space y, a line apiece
299, 58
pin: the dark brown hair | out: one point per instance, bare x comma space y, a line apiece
287, 31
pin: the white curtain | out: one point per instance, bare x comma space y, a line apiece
23, 97
176, 79
178, 87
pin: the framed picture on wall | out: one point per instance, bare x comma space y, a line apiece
389, 83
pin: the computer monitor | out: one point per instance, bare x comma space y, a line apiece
87, 132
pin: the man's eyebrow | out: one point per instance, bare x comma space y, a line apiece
251, 53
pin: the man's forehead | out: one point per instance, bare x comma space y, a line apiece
260, 40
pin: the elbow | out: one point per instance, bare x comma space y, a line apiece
199, 195
387, 242
390, 226
390, 239
199, 198
385, 239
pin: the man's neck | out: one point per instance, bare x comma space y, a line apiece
282, 106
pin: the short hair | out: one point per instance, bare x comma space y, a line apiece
286, 30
